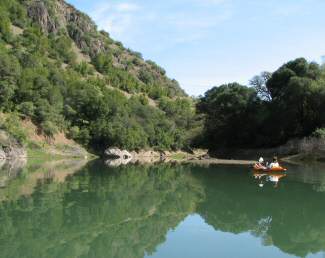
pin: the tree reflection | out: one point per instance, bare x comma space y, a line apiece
127, 211
289, 217
122, 212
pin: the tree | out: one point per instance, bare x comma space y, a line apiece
229, 121
259, 83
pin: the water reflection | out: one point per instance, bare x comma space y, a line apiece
128, 211
263, 178
10, 169
19, 178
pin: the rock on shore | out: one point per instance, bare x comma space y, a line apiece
116, 153
10, 148
117, 157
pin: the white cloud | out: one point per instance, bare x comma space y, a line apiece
117, 19
126, 21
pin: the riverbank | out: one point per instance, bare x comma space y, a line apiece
119, 157
21, 139
306, 149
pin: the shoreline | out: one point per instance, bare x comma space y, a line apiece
214, 161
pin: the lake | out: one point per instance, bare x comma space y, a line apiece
73, 209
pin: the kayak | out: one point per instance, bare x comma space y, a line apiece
265, 169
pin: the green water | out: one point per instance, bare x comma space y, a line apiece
163, 211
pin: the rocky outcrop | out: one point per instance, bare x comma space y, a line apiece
116, 153
118, 157
55, 16
38, 11
10, 148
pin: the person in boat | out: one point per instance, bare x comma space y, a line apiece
275, 163
260, 163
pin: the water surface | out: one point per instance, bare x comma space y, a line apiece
72, 209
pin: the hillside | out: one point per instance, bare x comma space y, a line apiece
60, 72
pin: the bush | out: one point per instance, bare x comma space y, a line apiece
319, 133
103, 63
12, 125
84, 69
5, 30
27, 109
49, 128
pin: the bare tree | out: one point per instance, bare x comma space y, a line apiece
259, 83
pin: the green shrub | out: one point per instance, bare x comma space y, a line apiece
27, 109
49, 128
13, 126
5, 30
319, 133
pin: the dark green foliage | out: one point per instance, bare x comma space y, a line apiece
84, 69
103, 63
5, 31
27, 109
146, 76
12, 125
9, 73
286, 104
319, 133
61, 47
228, 110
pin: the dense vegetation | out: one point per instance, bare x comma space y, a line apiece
286, 104
100, 94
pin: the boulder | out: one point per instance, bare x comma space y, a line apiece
126, 155
10, 148
16, 152
116, 153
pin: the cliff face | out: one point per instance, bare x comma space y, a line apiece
56, 16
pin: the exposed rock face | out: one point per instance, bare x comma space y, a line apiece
116, 153
14, 152
10, 148
57, 15
39, 13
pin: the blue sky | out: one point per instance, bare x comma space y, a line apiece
203, 43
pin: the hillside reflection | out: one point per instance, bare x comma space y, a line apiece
95, 211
